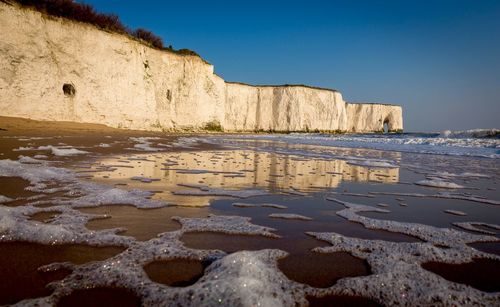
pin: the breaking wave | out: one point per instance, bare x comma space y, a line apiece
472, 143
473, 133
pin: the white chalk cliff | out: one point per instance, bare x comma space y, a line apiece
111, 79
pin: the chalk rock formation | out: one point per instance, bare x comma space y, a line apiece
56, 69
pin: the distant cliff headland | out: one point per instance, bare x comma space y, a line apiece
63, 61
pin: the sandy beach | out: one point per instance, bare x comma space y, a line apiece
94, 214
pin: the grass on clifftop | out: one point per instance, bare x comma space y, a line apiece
86, 13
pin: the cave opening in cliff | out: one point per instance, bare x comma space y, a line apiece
386, 126
69, 89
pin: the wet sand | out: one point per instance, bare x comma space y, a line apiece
19, 263
201, 179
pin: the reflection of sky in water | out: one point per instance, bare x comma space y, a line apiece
234, 170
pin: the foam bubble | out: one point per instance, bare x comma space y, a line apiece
479, 147
245, 205
399, 277
225, 224
68, 227
24, 148
473, 226
5, 199
144, 143
275, 206
473, 133
26, 159
436, 183
456, 212
468, 197
372, 163
83, 193
143, 179
290, 216
203, 190
265, 205
62, 151
428, 233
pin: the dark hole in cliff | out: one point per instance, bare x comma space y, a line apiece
69, 89
176, 272
481, 273
386, 126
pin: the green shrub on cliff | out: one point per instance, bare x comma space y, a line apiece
149, 37
214, 126
77, 11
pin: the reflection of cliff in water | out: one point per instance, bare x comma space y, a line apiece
234, 170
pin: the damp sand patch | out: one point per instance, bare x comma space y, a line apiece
103, 296
480, 273
19, 263
322, 270
176, 272
142, 224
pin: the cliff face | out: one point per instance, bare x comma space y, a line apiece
55, 69
283, 108
366, 117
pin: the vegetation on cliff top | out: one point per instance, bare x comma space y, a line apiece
86, 13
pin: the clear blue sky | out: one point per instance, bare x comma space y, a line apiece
440, 60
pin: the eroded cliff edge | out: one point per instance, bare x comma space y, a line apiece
57, 69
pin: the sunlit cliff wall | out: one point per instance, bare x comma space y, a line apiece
123, 83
